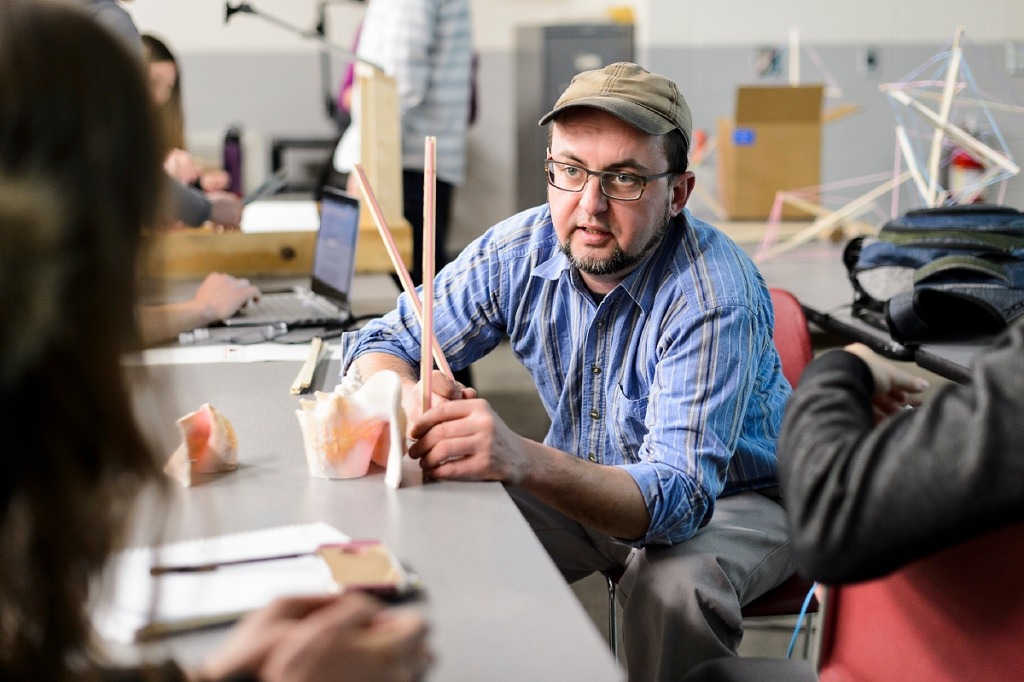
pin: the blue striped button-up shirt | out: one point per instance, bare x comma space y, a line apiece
672, 376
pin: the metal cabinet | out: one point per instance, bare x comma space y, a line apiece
547, 57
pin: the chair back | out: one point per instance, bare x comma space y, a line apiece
793, 342
792, 335
954, 616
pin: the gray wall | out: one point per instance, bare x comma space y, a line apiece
278, 95
859, 145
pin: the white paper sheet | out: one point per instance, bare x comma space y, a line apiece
281, 215
206, 354
135, 605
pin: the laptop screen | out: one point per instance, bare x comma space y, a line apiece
334, 257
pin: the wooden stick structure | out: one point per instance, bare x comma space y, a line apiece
924, 172
700, 154
826, 223
396, 262
305, 377
945, 106
956, 133
427, 289
908, 157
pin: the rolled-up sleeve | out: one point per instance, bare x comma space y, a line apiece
708, 387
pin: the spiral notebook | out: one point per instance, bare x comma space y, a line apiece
134, 605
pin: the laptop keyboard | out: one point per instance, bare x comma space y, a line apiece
291, 308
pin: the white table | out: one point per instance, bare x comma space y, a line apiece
497, 606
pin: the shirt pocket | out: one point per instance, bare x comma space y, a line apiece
627, 424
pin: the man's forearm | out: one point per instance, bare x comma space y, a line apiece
605, 498
162, 323
369, 364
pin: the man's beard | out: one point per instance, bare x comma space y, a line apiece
619, 261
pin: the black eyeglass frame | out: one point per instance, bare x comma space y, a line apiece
601, 175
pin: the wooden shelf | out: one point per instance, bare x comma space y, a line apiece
193, 253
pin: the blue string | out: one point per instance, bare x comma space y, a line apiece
800, 620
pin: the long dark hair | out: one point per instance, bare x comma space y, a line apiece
171, 113
80, 175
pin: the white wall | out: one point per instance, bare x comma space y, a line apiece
823, 22
198, 25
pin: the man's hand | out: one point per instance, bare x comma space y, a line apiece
466, 440
895, 390
443, 388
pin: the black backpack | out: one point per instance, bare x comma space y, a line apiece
940, 273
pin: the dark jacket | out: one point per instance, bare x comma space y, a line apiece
864, 500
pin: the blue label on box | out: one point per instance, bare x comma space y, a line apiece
743, 137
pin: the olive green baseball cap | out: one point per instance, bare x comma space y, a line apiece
642, 99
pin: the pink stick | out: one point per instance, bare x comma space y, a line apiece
396, 260
429, 212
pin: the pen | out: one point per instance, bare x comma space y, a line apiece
214, 565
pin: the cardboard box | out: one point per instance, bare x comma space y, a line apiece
773, 144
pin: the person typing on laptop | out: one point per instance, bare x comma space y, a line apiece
223, 300
323, 299
218, 297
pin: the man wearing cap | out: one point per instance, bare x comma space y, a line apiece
648, 334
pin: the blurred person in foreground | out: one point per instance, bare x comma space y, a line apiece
80, 175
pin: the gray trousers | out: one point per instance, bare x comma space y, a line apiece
680, 604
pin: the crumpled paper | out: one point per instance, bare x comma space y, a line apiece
209, 445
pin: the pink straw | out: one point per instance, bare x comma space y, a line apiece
396, 262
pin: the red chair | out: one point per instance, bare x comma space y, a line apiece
954, 616
792, 336
793, 343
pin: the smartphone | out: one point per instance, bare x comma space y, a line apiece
368, 566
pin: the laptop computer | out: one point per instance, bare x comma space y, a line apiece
326, 301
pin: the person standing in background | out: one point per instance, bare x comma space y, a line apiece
187, 205
427, 47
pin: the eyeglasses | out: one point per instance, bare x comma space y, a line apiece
621, 186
